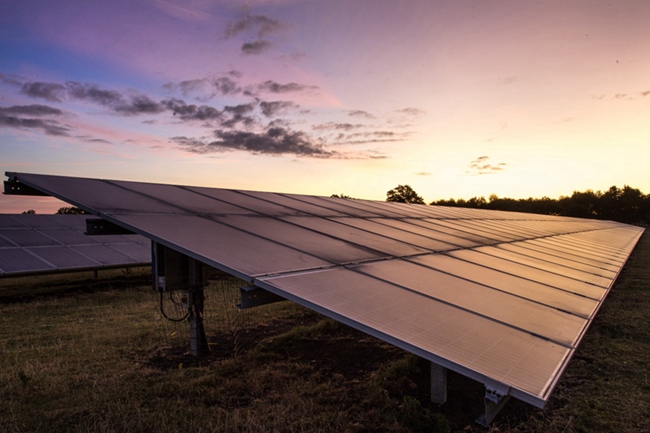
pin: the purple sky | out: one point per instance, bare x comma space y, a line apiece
455, 98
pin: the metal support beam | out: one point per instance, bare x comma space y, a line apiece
496, 397
198, 340
438, 384
13, 187
100, 227
252, 296
176, 271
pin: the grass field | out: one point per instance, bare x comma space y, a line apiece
96, 356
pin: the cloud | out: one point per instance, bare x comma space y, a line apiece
9, 80
226, 86
256, 47
49, 91
624, 96
481, 166
361, 113
411, 111
240, 109
261, 25
370, 137
273, 108
139, 104
128, 104
223, 86
273, 141
191, 111
275, 87
189, 86
49, 127
424, 173
89, 139
93, 93
336, 126
31, 110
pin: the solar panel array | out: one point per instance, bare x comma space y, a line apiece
500, 297
36, 244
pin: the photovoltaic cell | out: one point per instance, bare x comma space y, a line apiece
497, 296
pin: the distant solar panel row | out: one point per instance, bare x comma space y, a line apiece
32, 244
500, 297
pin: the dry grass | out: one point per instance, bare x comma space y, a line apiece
104, 361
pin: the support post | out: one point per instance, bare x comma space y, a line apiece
496, 397
438, 384
198, 340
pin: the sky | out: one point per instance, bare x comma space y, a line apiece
456, 98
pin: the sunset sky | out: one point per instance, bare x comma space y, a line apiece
456, 98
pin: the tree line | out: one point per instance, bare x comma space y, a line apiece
627, 205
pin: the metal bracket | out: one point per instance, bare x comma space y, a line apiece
496, 397
252, 296
99, 227
13, 187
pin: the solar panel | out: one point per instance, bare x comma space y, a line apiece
32, 244
501, 297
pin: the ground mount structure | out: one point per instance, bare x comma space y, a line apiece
503, 298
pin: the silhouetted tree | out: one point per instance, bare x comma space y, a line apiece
31, 211
340, 196
70, 210
403, 194
628, 205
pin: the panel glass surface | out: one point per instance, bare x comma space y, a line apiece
393, 209
296, 205
520, 248
219, 244
68, 236
516, 286
538, 246
183, 200
7, 222
396, 234
481, 234
49, 221
540, 263
481, 227
103, 254
63, 257
533, 274
252, 205
520, 313
561, 243
411, 225
334, 205
140, 252
97, 194
326, 247
5, 243
19, 260
505, 227
27, 238
461, 233
449, 334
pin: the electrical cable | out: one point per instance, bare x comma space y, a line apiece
162, 310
